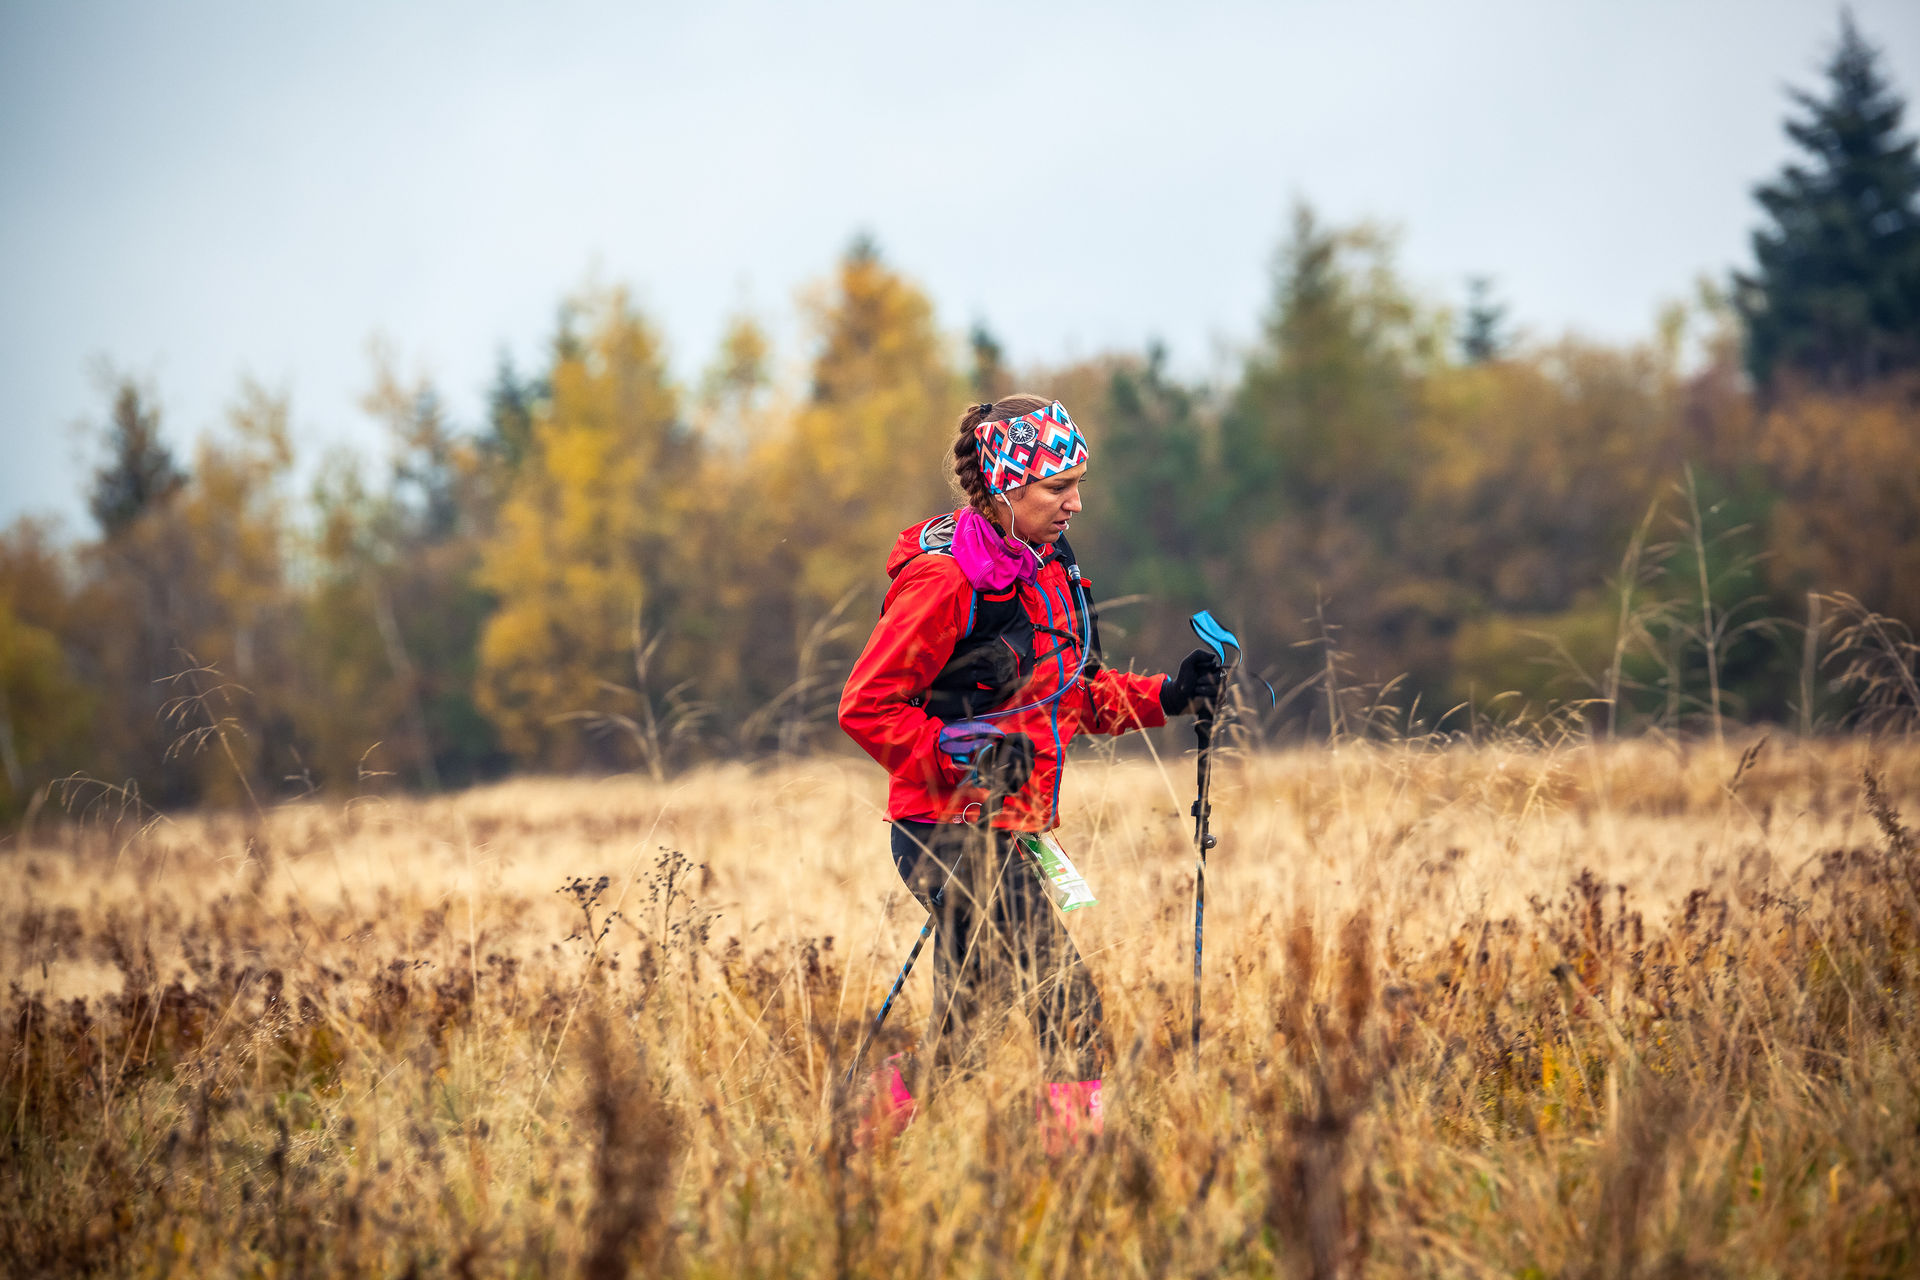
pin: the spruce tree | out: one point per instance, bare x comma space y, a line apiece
1834, 299
1483, 334
140, 470
990, 379
510, 402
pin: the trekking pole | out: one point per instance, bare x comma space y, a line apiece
1218, 639
880, 1018
963, 741
1202, 841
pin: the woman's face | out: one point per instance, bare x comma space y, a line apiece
1042, 508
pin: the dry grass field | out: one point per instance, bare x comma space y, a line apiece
1640, 1010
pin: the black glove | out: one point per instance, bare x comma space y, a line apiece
1005, 766
1195, 687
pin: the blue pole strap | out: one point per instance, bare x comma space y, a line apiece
1219, 639
1213, 635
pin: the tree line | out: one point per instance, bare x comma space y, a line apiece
1408, 513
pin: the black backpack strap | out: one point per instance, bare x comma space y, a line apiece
996, 655
989, 663
993, 658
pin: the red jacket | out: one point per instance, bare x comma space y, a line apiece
927, 610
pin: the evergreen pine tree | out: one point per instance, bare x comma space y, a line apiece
1835, 297
990, 379
1483, 335
510, 403
140, 470
1156, 514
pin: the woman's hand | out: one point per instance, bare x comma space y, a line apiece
1005, 766
1195, 688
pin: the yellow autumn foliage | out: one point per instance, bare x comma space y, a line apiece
588, 517
1848, 471
863, 457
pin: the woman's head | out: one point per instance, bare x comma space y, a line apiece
1038, 509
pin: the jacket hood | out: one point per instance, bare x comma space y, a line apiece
934, 534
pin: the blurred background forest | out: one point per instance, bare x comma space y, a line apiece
1402, 504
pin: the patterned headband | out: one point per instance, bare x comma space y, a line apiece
1020, 450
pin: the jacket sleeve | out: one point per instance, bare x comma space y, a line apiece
920, 622
1117, 702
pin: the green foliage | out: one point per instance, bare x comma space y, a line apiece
1317, 455
1390, 509
989, 379
198, 582
391, 622
1835, 295
1150, 527
1483, 335
1324, 403
140, 471
510, 404
1522, 665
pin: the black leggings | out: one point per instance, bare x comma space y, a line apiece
998, 943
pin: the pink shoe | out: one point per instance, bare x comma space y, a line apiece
889, 1107
1070, 1112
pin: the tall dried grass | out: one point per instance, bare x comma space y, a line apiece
1626, 1009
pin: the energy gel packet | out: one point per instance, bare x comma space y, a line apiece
1065, 885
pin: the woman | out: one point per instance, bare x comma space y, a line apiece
987, 619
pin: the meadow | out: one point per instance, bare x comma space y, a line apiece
1503, 1008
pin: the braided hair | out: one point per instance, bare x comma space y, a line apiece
968, 481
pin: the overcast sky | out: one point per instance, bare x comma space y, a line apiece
197, 192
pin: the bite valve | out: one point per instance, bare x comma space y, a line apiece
1211, 841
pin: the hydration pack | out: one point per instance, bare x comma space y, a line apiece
996, 656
